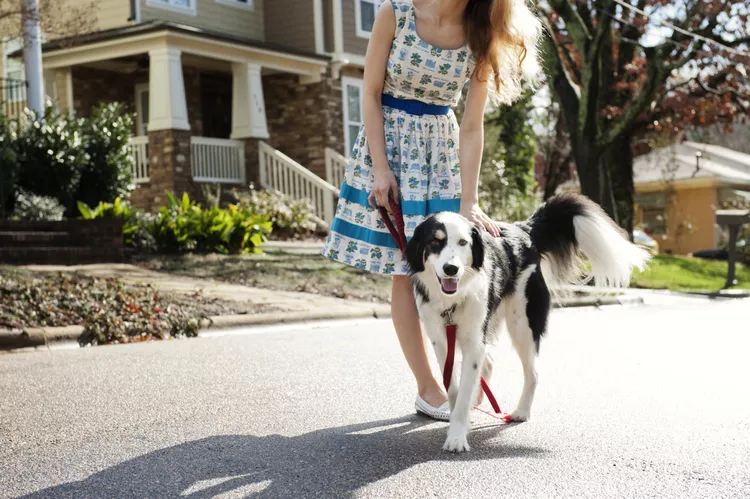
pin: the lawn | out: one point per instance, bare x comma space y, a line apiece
281, 272
681, 273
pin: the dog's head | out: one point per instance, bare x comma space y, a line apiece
447, 246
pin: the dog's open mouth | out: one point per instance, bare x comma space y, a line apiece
449, 285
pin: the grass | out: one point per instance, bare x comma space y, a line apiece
281, 272
680, 273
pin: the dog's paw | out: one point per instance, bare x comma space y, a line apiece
457, 441
456, 444
520, 415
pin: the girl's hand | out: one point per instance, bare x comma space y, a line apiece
474, 213
385, 186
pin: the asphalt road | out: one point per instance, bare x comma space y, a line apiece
633, 402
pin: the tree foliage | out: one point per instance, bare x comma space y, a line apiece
618, 73
56, 17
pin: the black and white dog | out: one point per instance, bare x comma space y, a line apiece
486, 281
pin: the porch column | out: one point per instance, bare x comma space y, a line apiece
169, 136
64, 84
249, 114
248, 107
166, 104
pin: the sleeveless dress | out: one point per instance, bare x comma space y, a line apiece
422, 151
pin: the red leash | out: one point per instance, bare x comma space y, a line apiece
399, 235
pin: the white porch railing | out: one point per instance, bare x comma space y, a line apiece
139, 150
280, 172
335, 167
220, 161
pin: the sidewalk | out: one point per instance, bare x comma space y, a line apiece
286, 306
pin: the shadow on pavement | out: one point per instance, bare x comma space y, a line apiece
332, 462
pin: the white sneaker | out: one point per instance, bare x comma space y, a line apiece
442, 413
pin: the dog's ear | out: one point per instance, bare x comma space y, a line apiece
415, 248
477, 248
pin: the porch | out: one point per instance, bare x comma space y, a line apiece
209, 111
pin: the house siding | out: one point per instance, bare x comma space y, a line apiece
353, 44
290, 23
691, 221
212, 15
110, 13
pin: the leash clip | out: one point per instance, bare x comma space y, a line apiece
448, 315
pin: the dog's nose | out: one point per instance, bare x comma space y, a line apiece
450, 270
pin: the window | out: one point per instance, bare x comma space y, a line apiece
13, 70
242, 4
181, 6
653, 208
352, 90
141, 109
365, 11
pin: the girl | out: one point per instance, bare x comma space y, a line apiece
420, 56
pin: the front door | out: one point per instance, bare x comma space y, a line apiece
216, 105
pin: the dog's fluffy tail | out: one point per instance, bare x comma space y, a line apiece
569, 226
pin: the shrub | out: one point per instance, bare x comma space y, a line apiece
73, 159
51, 156
184, 226
107, 173
36, 208
8, 166
291, 218
136, 222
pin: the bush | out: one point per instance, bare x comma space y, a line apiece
51, 157
291, 218
36, 208
136, 222
183, 226
72, 159
8, 167
107, 174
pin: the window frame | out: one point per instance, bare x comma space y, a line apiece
141, 128
237, 4
7, 49
358, 16
347, 81
172, 7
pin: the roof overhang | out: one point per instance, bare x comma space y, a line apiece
140, 39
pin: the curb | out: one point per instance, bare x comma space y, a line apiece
41, 336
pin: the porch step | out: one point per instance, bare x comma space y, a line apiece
60, 255
25, 239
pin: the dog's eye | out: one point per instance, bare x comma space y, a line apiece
463, 242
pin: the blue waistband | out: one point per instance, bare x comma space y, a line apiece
415, 107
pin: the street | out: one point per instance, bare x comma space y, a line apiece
633, 401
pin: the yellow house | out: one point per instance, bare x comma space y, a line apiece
678, 188
224, 91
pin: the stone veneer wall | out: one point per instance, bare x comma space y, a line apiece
169, 169
304, 119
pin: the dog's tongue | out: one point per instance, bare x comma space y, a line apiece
450, 285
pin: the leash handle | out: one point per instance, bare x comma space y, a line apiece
398, 232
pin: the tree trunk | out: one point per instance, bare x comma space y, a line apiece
595, 180
619, 161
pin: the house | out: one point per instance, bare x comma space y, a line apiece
678, 189
225, 91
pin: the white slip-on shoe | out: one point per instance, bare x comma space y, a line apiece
442, 413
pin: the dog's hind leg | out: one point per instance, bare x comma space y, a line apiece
526, 325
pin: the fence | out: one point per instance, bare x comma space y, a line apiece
12, 97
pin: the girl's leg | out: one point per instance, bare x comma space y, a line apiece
409, 331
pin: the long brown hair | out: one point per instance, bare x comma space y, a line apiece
503, 37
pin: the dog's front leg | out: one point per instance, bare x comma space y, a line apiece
458, 431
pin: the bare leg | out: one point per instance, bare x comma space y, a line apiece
409, 331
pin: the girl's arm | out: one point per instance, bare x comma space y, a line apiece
376, 60
471, 145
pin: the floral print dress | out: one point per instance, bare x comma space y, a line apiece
422, 151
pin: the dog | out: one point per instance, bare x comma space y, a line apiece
484, 282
